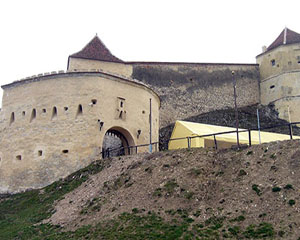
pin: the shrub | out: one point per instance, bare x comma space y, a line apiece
288, 187
256, 189
242, 172
292, 202
276, 189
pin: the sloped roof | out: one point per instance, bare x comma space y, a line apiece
96, 50
287, 36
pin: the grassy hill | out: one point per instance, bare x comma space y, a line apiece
184, 194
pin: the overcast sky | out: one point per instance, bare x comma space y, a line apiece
38, 36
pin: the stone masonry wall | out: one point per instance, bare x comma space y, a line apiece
49, 125
191, 89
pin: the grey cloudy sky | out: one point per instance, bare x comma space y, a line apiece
38, 36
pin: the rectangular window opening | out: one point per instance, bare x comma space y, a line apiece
40, 153
273, 63
19, 157
65, 151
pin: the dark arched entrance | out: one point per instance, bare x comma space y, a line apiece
117, 142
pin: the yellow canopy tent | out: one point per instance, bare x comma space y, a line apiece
182, 130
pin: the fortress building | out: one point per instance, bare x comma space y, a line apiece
55, 123
279, 66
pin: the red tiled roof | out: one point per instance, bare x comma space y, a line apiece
287, 36
96, 50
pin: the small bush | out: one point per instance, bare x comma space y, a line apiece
242, 172
276, 189
238, 219
256, 189
263, 230
288, 187
188, 195
234, 230
292, 202
170, 186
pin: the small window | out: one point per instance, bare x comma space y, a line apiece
19, 157
54, 112
121, 114
121, 104
143, 112
94, 101
23, 113
272, 86
12, 118
273, 63
33, 115
40, 153
44, 110
66, 109
65, 151
79, 110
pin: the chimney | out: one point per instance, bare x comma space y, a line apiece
264, 49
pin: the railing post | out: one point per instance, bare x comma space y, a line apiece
215, 141
136, 149
291, 133
189, 142
249, 133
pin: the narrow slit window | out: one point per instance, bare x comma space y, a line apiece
12, 118
40, 153
272, 86
79, 110
65, 151
23, 113
44, 110
121, 114
33, 115
66, 109
54, 112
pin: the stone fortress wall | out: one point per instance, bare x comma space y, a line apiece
50, 125
186, 89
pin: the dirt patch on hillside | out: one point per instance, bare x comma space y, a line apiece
254, 185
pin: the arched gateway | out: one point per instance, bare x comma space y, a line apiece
117, 142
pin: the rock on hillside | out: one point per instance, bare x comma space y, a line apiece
236, 194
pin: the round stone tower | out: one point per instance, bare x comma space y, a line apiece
279, 66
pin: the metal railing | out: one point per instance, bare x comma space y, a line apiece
128, 150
